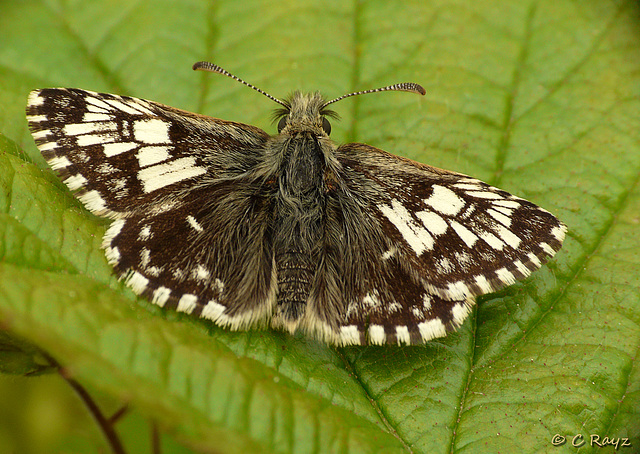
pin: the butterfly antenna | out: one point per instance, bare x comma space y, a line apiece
211, 67
407, 86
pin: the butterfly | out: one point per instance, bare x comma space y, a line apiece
218, 219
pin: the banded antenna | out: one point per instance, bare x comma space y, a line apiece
406, 86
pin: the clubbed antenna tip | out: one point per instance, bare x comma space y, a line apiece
406, 86
211, 67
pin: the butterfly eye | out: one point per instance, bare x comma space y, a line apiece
326, 125
282, 123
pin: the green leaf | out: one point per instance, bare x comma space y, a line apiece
18, 357
541, 98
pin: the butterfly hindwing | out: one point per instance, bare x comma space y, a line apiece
400, 310
197, 260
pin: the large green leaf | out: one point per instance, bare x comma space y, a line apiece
541, 98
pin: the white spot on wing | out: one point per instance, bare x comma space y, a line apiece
152, 155
492, 240
349, 335
160, 296
137, 282
178, 274
520, 266
200, 273
113, 149
432, 328
36, 118
394, 306
163, 207
507, 236
505, 276
193, 223
504, 210
162, 175
145, 233
35, 99
458, 290
187, 303
468, 212
483, 283
459, 313
534, 259
113, 231
402, 334
548, 249
507, 204
426, 302
145, 257
444, 201
500, 217
143, 106
154, 270
95, 109
433, 222
128, 108
377, 335
417, 237
464, 233
559, 232
96, 116
59, 162
213, 311
86, 140
76, 129
93, 201
97, 102
485, 195
371, 301
113, 255
467, 186
41, 134
75, 182
48, 146
444, 265
151, 130
463, 258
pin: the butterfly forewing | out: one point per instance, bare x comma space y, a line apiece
463, 237
122, 153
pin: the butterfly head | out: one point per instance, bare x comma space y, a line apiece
305, 112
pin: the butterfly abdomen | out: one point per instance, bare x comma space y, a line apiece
295, 269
